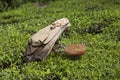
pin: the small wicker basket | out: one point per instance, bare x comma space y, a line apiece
75, 49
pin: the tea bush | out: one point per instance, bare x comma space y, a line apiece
12, 4
95, 23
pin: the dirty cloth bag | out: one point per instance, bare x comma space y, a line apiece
42, 42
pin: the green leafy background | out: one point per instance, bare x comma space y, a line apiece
95, 23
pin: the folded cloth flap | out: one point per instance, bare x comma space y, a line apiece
38, 38
57, 26
44, 35
52, 33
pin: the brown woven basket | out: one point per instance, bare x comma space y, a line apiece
75, 49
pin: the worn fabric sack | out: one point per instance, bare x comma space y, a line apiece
41, 43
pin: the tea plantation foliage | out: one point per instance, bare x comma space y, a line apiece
11, 4
93, 22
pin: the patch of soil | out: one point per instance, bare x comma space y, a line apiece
96, 28
5, 65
